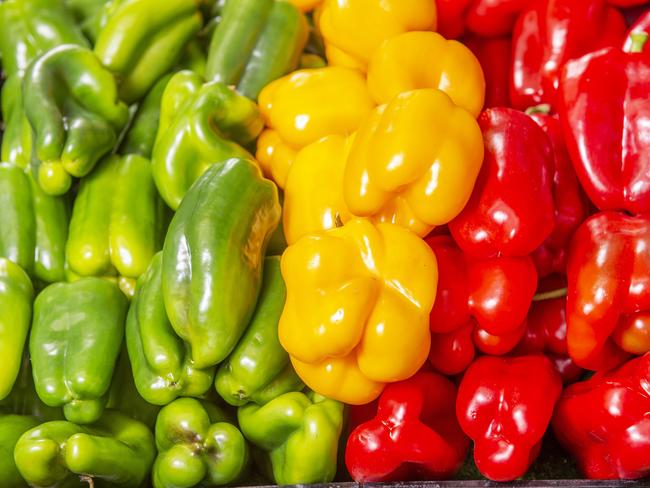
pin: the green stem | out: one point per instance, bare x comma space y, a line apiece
544, 109
639, 40
549, 295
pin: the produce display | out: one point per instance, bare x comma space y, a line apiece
290, 242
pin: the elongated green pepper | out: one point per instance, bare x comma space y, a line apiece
162, 366
259, 368
17, 136
11, 428
213, 257
76, 337
116, 449
196, 444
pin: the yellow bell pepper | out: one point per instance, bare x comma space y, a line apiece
352, 29
313, 195
414, 161
357, 310
427, 60
304, 106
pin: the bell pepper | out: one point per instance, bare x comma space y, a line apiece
602, 422
71, 102
550, 33
256, 42
640, 26
198, 124
497, 345
11, 428
197, 444
356, 312
511, 211
305, 106
486, 18
213, 257
31, 27
413, 435
16, 295
607, 135
306, 5
392, 175
17, 133
161, 361
299, 435
258, 369
452, 352
118, 220
91, 15
608, 294
626, 3
75, 340
35, 225
505, 405
143, 39
494, 55
116, 449
353, 30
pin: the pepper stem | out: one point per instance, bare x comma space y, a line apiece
543, 108
549, 295
639, 40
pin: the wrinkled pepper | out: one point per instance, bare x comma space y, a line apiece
197, 444
494, 56
12, 427
356, 312
486, 18
298, 434
75, 341
213, 257
414, 434
17, 133
116, 449
392, 175
505, 405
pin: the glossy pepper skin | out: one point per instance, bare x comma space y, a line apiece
550, 33
305, 106
200, 124
256, 42
213, 257
299, 435
602, 422
11, 428
414, 433
35, 225
392, 176
486, 18
16, 295
608, 290
511, 210
160, 359
356, 312
143, 39
71, 102
115, 449
609, 148
494, 56
258, 369
16, 144
505, 405
452, 352
75, 340
197, 444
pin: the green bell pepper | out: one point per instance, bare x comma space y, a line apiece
31, 27
91, 15
11, 428
71, 103
161, 362
198, 124
213, 257
299, 433
34, 227
118, 220
256, 42
17, 136
259, 369
116, 449
143, 39
76, 338
16, 295
197, 444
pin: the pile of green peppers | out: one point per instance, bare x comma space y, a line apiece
140, 283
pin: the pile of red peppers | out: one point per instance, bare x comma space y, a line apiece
541, 324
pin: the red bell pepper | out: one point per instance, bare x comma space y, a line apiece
414, 434
641, 25
551, 32
505, 406
487, 18
452, 352
511, 210
603, 422
608, 305
494, 56
498, 345
626, 3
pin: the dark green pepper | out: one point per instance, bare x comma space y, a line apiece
213, 257
259, 369
197, 444
11, 428
76, 338
17, 135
